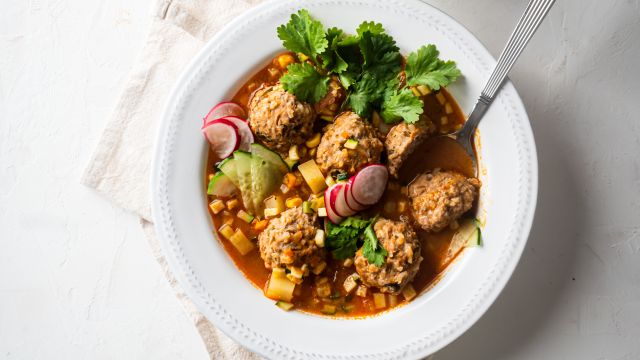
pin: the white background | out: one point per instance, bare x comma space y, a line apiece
77, 279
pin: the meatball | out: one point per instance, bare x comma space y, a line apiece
333, 156
440, 197
403, 257
289, 240
402, 139
278, 119
330, 103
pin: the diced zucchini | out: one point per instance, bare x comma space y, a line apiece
322, 212
280, 288
291, 163
232, 204
271, 212
286, 306
293, 153
319, 238
245, 216
274, 202
216, 206
409, 292
241, 243
327, 118
380, 300
313, 176
228, 166
318, 269
226, 231
328, 309
351, 282
329, 180
270, 156
243, 166
440, 97
266, 179
415, 92
296, 272
362, 291
284, 189
306, 207
220, 185
313, 141
323, 288
351, 144
393, 300
468, 234
313, 151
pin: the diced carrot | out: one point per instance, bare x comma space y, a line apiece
260, 225
290, 180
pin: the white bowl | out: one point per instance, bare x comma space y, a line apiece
231, 302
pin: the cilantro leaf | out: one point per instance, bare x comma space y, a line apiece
343, 239
305, 82
366, 92
425, 68
380, 54
372, 249
402, 104
332, 61
370, 26
303, 34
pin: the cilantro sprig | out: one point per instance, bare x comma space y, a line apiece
367, 64
345, 239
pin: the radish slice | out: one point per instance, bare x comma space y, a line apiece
349, 200
369, 184
223, 137
331, 213
341, 206
338, 202
246, 136
223, 109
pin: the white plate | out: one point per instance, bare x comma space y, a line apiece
220, 290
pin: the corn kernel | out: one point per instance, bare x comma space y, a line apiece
448, 109
313, 141
424, 90
293, 202
284, 60
232, 204
444, 120
319, 238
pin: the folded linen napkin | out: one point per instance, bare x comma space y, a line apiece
120, 166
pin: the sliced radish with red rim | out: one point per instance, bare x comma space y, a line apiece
338, 202
225, 108
331, 213
349, 200
223, 137
368, 185
246, 136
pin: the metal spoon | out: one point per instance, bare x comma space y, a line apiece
527, 25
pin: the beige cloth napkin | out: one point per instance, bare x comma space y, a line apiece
120, 165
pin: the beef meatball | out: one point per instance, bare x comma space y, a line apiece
289, 240
330, 103
402, 139
278, 119
333, 156
440, 197
403, 258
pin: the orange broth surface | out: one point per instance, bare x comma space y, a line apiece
439, 153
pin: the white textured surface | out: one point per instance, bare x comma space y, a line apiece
76, 276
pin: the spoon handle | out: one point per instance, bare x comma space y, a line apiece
527, 25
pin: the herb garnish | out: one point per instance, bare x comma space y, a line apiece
368, 65
345, 239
